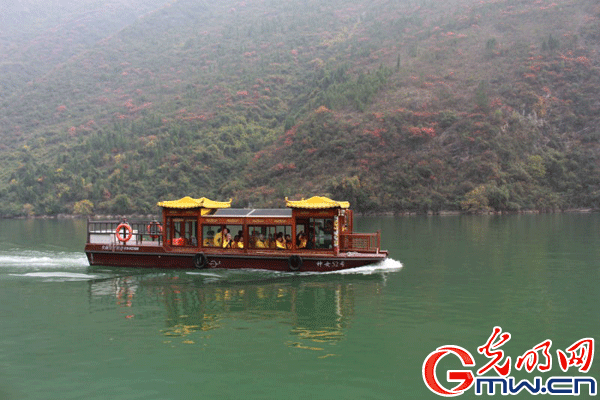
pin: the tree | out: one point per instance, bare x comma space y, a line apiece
28, 210
83, 207
476, 200
481, 98
121, 204
535, 167
553, 43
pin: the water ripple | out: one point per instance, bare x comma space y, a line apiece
58, 276
36, 259
45, 265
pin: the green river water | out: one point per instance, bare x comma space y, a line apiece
69, 331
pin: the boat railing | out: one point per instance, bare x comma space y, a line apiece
105, 232
360, 242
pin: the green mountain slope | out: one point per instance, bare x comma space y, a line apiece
38, 36
394, 105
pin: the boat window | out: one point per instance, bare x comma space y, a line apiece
270, 237
182, 232
223, 236
314, 233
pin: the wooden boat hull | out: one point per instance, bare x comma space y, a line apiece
158, 257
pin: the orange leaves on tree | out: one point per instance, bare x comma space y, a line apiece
283, 166
421, 132
322, 110
289, 135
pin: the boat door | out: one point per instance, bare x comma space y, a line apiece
182, 231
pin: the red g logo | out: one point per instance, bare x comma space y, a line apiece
465, 377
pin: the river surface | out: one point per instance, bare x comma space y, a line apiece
70, 331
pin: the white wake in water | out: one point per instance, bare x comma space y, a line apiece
60, 276
61, 266
38, 259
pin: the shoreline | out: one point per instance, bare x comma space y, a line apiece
443, 213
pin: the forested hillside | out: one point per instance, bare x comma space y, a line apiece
396, 106
37, 36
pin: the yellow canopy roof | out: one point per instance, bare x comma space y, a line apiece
188, 202
316, 202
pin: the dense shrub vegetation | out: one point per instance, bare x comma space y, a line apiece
403, 106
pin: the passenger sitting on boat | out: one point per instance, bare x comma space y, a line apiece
288, 242
272, 243
260, 242
228, 242
279, 242
238, 242
218, 240
209, 240
301, 240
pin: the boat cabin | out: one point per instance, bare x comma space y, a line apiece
317, 224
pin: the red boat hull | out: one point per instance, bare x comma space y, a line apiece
158, 257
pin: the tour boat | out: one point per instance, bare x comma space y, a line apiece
308, 235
